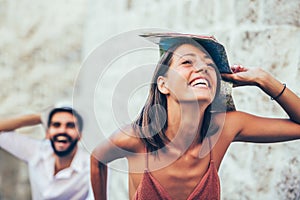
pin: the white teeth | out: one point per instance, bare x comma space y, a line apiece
62, 139
199, 81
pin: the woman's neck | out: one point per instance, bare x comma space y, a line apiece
184, 123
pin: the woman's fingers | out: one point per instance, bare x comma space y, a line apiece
242, 76
238, 68
232, 78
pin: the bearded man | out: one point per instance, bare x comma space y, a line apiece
58, 167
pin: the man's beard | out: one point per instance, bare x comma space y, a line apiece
66, 152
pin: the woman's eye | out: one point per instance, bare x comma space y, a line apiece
186, 62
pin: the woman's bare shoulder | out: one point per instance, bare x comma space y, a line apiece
230, 122
127, 139
230, 117
122, 143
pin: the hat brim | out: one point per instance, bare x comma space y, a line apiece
209, 43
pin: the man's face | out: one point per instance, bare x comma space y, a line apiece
63, 133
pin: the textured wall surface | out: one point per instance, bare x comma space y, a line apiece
40, 54
44, 43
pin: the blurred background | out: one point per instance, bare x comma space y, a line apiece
44, 44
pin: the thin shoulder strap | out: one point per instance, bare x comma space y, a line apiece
146, 159
210, 149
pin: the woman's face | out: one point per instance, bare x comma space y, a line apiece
191, 75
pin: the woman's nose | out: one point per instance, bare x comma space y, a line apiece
201, 68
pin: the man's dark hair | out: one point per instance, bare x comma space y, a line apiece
68, 110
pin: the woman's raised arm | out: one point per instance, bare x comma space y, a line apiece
261, 129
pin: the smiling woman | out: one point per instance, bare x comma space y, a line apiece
176, 145
181, 79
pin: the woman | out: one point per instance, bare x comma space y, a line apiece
178, 141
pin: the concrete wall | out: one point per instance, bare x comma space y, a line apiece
44, 43
40, 55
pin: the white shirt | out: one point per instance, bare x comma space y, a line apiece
72, 183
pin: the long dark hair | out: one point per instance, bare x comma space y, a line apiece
152, 122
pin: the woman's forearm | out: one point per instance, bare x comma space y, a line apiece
19, 122
98, 178
288, 100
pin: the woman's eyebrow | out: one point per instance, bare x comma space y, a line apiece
207, 56
188, 54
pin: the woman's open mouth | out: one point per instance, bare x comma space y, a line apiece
199, 82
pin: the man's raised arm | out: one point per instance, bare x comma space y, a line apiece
19, 122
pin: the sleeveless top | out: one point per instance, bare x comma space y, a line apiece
208, 187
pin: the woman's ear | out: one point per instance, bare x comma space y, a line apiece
162, 85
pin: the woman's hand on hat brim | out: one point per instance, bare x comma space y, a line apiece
243, 76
